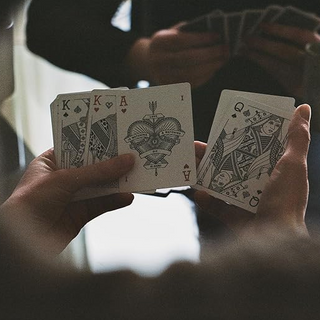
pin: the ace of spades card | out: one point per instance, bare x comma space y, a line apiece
248, 143
155, 124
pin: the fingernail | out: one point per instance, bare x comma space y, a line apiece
305, 112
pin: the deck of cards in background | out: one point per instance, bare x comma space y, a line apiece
155, 124
235, 26
247, 138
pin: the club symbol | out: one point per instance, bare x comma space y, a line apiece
77, 109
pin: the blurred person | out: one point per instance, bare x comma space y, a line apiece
270, 274
80, 36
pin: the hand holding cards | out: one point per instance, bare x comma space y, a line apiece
155, 124
233, 27
247, 138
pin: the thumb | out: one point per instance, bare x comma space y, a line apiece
286, 194
299, 133
97, 174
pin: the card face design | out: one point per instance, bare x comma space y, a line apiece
73, 118
247, 138
154, 137
101, 141
250, 141
156, 123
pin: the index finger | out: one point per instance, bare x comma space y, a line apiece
176, 40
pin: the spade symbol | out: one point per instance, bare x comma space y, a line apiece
77, 109
66, 115
234, 115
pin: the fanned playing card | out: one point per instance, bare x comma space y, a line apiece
292, 16
233, 21
216, 22
233, 27
101, 143
243, 151
155, 124
71, 129
269, 15
197, 25
54, 109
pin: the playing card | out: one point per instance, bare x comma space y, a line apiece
216, 22
238, 163
54, 108
269, 15
71, 129
292, 16
250, 19
155, 124
233, 21
197, 25
101, 142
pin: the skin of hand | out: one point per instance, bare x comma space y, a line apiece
173, 56
284, 200
282, 59
41, 206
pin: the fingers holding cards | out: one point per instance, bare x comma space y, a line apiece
155, 124
247, 138
243, 148
235, 27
